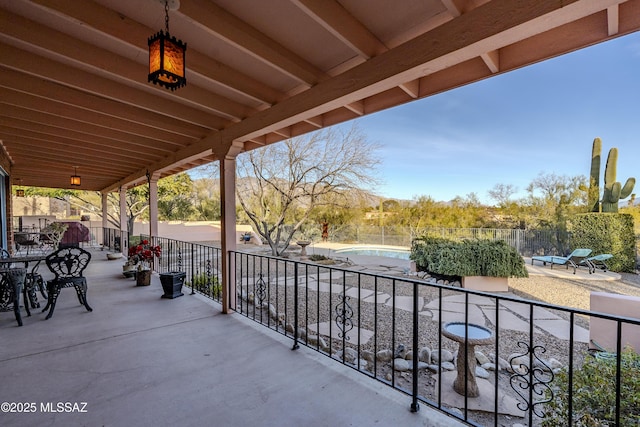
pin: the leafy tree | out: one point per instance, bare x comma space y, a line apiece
206, 205
280, 185
137, 200
552, 199
175, 197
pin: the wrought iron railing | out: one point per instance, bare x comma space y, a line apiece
201, 263
405, 333
394, 330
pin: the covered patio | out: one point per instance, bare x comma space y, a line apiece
76, 102
141, 360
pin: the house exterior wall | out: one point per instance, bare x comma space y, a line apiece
6, 240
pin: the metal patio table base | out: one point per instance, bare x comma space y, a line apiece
15, 280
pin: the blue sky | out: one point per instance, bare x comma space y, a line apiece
509, 128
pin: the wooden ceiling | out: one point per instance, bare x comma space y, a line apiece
74, 90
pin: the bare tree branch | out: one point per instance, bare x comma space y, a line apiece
280, 185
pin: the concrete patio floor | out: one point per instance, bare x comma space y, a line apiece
140, 360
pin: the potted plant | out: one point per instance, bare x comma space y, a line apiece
172, 282
142, 256
480, 264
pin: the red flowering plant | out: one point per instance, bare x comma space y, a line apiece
143, 253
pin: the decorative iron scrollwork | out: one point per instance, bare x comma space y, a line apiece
536, 378
209, 273
344, 316
261, 290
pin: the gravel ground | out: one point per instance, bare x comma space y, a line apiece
321, 306
573, 293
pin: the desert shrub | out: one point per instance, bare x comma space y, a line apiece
594, 394
208, 285
472, 257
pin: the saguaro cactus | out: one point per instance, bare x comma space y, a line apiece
594, 182
613, 190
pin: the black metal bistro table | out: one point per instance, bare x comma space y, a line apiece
17, 280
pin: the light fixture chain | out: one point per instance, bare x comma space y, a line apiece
166, 15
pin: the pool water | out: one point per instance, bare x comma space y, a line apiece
375, 251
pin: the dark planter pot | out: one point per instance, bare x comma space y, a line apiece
172, 284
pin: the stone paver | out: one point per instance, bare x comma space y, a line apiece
352, 335
524, 310
405, 303
458, 315
481, 310
560, 329
508, 320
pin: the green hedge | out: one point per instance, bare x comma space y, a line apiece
477, 257
606, 233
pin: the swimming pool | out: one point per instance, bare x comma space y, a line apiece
375, 251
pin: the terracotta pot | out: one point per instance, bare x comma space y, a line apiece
143, 277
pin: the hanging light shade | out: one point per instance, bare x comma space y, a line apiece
20, 191
75, 178
167, 58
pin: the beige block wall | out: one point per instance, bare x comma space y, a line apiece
603, 331
486, 283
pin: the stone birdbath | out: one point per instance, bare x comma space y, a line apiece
303, 244
466, 363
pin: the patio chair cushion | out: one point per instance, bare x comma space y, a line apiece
574, 259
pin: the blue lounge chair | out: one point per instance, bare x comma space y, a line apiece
574, 259
597, 261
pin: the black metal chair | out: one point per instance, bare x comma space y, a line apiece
11, 284
23, 240
68, 265
34, 282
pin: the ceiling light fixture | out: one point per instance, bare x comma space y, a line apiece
20, 191
75, 178
167, 57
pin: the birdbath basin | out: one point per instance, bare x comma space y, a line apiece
303, 244
468, 336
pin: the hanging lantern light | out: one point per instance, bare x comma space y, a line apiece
167, 57
75, 178
20, 191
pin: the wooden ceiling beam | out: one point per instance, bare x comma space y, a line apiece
486, 28
60, 148
159, 101
20, 113
613, 19
492, 59
493, 25
46, 90
115, 25
49, 106
49, 132
238, 33
44, 158
341, 24
67, 49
